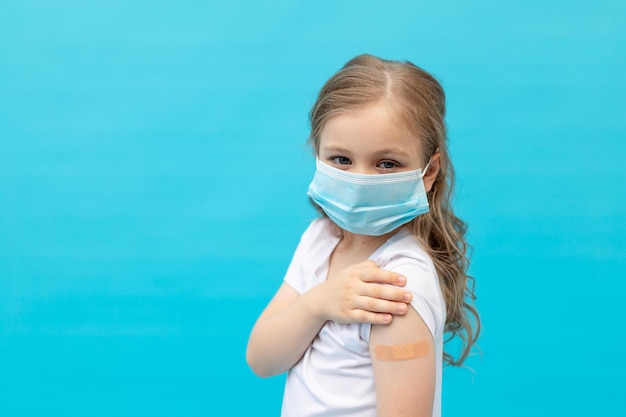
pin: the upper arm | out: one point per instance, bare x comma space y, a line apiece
404, 387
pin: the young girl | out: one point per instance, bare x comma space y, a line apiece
377, 280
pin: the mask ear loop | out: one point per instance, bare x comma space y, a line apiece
426, 168
428, 164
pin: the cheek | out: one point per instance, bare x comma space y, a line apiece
432, 173
428, 185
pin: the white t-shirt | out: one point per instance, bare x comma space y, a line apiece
335, 376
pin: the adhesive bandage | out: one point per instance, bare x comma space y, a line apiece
402, 352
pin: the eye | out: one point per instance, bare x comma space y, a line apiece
341, 160
388, 165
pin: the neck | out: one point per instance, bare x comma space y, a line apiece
353, 241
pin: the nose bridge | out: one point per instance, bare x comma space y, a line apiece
361, 167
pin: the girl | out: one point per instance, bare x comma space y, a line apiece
377, 280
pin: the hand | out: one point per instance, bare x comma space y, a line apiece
358, 294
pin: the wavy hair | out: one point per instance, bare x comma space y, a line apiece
419, 100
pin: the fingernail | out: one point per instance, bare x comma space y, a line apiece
402, 280
408, 296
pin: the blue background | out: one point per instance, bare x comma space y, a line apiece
153, 173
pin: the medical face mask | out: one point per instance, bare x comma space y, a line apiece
368, 204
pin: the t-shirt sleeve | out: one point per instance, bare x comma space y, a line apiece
294, 275
423, 283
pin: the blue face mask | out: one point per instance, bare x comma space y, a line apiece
368, 204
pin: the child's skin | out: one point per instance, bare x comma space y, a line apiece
291, 321
366, 141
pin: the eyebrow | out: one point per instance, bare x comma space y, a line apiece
381, 152
392, 151
332, 148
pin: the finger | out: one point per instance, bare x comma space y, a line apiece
376, 305
368, 264
364, 316
385, 292
383, 276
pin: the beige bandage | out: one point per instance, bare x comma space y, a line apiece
402, 352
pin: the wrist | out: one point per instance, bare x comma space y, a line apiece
314, 303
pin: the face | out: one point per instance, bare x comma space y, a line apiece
369, 141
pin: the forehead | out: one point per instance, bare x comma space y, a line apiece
371, 128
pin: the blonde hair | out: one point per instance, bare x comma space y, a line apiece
419, 100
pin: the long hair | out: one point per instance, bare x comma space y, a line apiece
419, 100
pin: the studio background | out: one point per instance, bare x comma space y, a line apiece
153, 172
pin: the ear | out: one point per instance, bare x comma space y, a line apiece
432, 171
